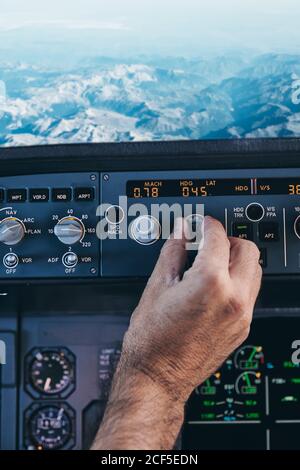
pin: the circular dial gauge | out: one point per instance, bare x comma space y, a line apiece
248, 383
210, 386
69, 230
12, 231
249, 358
51, 372
50, 427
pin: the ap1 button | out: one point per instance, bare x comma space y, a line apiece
243, 231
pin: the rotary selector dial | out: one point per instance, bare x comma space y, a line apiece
69, 230
145, 230
12, 231
297, 226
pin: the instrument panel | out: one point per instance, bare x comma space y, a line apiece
42, 219
101, 225
251, 402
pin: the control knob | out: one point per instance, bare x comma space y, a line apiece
12, 231
145, 230
69, 230
297, 226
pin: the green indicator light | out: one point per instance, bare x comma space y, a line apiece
208, 416
289, 399
250, 402
295, 380
249, 364
208, 390
289, 365
252, 415
208, 403
249, 390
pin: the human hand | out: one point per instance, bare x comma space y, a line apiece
186, 326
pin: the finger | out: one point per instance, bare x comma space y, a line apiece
173, 256
244, 265
215, 252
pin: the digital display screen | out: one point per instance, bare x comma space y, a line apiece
287, 186
198, 188
255, 393
188, 188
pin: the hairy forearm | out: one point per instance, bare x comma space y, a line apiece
140, 415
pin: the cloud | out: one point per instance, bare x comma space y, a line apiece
6, 25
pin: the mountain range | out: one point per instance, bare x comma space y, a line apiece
150, 98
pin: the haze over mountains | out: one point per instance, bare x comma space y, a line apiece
150, 98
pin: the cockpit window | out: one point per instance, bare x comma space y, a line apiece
125, 70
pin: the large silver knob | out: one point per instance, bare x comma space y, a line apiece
145, 230
12, 231
69, 230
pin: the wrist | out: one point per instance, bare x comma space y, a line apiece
136, 385
136, 406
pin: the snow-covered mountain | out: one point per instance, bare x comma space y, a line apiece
106, 100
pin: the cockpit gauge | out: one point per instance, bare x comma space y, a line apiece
249, 358
50, 427
209, 387
51, 372
248, 383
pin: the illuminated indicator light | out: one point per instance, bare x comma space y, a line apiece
295, 380
252, 415
290, 365
218, 375
250, 402
289, 399
208, 390
258, 375
208, 416
249, 390
208, 403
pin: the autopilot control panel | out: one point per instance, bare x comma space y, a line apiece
100, 225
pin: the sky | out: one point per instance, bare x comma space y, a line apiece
173, 27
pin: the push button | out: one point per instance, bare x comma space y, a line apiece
145, 230
10, 260
255, 212
263, 260
84, 194
268, 232
114, 215
16, 195
244, 231
39, 195
61, 194
70, 260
